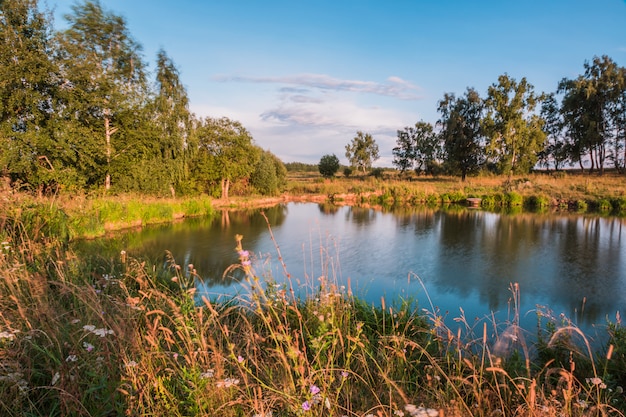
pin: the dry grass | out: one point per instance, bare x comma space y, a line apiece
128, 338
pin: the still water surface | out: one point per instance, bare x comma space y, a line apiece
463, 259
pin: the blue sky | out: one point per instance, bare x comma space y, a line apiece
304, 76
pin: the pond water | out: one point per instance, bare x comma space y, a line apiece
453, 260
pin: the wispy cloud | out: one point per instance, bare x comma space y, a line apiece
393, 87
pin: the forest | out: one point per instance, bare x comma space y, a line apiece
80, 112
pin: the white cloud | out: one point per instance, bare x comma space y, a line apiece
308, 115
395, 86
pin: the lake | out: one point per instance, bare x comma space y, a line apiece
445, 259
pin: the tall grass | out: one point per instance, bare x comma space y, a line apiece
88, 218
129, 338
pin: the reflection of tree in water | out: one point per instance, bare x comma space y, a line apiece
208, 243
361, 216
421, 218
328, 208
553, 258
591, 270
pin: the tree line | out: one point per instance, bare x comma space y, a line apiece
513, 129
78, 111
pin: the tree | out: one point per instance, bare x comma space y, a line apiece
461, 132
226, 153
593, 110
269, 174
515, 133
28, 95
362, 151
556, 147
404, 151
329, 165
417, 147
102, 67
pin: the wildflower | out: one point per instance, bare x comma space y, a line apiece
7, 335
88, 346
398, 413
55, 378
75, 321
227, 383
314, 389
71, 358
89, 327
306, 406
131, 364
344, 374
208, 374
240, 359
594, 381
102, 332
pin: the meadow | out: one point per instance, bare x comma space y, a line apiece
103, 337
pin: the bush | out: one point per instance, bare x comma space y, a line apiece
329, 165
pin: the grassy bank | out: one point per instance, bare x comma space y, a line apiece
70, 217
127, 338
574, 192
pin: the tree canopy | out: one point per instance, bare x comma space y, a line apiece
362, 151
329, 165
79, 112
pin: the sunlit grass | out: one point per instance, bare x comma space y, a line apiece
129, 338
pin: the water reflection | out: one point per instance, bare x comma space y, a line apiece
464, 258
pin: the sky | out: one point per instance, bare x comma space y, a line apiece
303, 76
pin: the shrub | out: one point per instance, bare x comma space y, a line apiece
329, 165
514, 199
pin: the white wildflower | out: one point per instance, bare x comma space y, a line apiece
102, 332
71, 358
89, 327
55, 378
208, 374
227, 383
7, 335
594, 381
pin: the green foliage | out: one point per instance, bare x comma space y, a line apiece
362, 151
377, 173
515, 138
328, 165
417, 147
590, 114
581, 206
619, 204
513, 199
538, 201
269, 175
226, 154
462, 132
300, 167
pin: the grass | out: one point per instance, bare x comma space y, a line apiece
85, 338
563, 191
